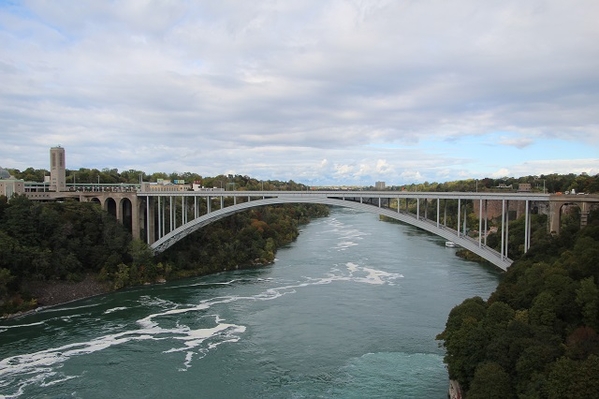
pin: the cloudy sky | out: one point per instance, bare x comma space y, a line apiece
317, 91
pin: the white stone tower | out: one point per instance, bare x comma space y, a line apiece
58, 174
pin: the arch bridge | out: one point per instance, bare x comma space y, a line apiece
171, 216
164, 217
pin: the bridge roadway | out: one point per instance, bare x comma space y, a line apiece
377, 202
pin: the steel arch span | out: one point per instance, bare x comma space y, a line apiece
433, 227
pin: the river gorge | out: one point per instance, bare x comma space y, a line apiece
349, 310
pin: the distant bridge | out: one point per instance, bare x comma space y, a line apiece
163, 218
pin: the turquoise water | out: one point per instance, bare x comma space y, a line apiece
350, 310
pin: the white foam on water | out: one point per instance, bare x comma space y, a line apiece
194, 339
147, 300
148, 323
6, 328
108, 311
352, 267
348, 236
59, 308
41, 367
379, 277
58, 381
206, 284
342, 246
359, 274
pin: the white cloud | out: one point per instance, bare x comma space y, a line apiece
519, 142
275, 88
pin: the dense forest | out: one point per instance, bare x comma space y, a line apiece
67, 241
536, 336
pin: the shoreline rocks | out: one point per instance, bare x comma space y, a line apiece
50, 293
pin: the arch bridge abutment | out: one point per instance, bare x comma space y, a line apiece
560, 203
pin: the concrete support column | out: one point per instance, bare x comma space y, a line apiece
585, 209
171, 214
502, 229
526, 228
459, 216
119, 210
507, 228
486, 221
480, 223
150, 223
445, 213
183, 211
555, 210
160, 216
147, 220
135, 229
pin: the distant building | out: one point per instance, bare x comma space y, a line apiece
379, 185
58, 174
10, 186
4, 175
164, 186
524, 187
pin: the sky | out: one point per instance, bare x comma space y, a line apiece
322, 92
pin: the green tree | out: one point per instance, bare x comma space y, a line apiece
5, 279
572, 379
490, 381
587, 298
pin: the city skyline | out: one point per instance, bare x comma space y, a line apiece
319, 92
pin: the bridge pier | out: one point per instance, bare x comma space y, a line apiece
561, 202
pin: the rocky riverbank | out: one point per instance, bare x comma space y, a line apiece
49, 293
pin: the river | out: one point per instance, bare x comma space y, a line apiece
349, 310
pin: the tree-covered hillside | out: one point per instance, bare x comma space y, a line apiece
537, 335
67, 241
551, 183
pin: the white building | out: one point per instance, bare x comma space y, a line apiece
10, 186
379, 185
